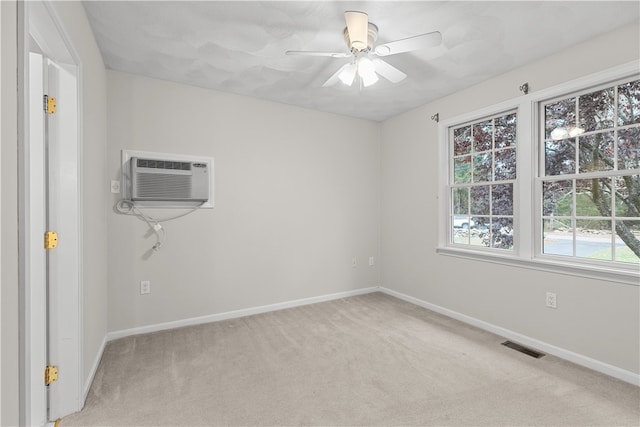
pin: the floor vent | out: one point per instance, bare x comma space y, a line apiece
523, 349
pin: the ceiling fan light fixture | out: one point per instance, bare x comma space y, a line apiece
358, 27
367, 71
348, 74
369, 79
365, 66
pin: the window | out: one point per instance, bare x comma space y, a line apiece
590, 176
550, 180
484, 170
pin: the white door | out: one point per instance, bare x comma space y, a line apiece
35, 398
63, 280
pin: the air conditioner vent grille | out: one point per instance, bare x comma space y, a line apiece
163, 164
169, 180
160, 186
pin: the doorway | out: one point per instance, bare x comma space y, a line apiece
49, 201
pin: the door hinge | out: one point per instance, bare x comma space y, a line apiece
50, 374
49, 105
50, 240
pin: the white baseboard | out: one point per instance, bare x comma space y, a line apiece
236, 313
94, 369
576, 358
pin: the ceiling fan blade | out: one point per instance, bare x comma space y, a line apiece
388, 71
421, 41
335, 78
358, 28
312, 53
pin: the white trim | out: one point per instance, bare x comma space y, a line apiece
80, 242
585, 82
492, 110
236, 313
92, 374
555, 265
578, 359
69, 402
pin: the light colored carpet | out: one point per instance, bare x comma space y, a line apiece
365, 360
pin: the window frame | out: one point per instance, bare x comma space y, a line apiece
527, 198
472, 183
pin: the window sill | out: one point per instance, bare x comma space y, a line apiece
552, 265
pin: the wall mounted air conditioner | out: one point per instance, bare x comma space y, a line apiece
169, 180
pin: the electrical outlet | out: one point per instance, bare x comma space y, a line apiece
354, 262
371, 260
115, 187
145, 287
552, 301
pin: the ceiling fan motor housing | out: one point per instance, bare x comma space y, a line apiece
372, 36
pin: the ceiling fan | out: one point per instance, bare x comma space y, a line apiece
360, 35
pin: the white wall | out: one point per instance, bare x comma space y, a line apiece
9, 226
595, 318
95, 188
297, 196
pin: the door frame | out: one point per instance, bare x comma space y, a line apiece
39, 21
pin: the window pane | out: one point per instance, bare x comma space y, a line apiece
627, 196
557, 198
505, 135
480, 200
597, 110
480, 234
558, 237
460, 235
596, 152
593, 197
461, 231
630, 251
476, 238
483, 136
462, 169
460, 199
593, 239
505, 164
462, 221
462, 141
502, 199
482, 166
560, 157
502, 233
629, 103
560, 114
629, 148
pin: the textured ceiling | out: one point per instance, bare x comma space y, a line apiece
239, 46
